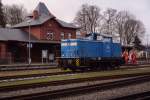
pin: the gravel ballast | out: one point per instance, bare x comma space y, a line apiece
112, 93
52, 88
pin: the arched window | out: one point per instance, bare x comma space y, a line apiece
50, 36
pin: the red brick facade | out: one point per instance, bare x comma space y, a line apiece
12, 52
51, 26
51, 31
5, 56
2, 50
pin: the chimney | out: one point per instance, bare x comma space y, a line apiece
35, 14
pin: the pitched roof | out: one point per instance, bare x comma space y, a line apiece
14, 35
44, 15
33, 22
65, 24
43, 10
7, 34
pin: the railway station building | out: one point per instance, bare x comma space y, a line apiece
43, 30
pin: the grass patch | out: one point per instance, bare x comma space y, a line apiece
75, 76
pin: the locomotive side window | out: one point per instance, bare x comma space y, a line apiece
73, 44
69, 44
99, 37
106, 39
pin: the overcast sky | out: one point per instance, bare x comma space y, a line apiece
66, 9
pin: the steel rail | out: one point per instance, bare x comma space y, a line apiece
39, 67
43, 75
81, 90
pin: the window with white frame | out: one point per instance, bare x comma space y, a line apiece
50, 36
62, 35
78, 34
69, 35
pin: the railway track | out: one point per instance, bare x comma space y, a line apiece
44, 75
69, 81
82, 89
47, 66
30, 76
138, 96
27, 67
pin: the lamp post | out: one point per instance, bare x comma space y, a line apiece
147, 48
29, 45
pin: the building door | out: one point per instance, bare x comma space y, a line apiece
44, 56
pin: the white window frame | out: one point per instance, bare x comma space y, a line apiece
62, 35
50, 36
69, 35
78, 34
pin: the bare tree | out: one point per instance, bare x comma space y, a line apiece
2, 19
132, 29
111, 22
128, 27
108, 26
88, 18
137, 43
14, 14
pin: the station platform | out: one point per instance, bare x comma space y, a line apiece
23, 66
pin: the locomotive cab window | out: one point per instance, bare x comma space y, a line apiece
105, 39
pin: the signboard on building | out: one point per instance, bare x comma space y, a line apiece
51, 57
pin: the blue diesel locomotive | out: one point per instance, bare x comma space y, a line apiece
90, 53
